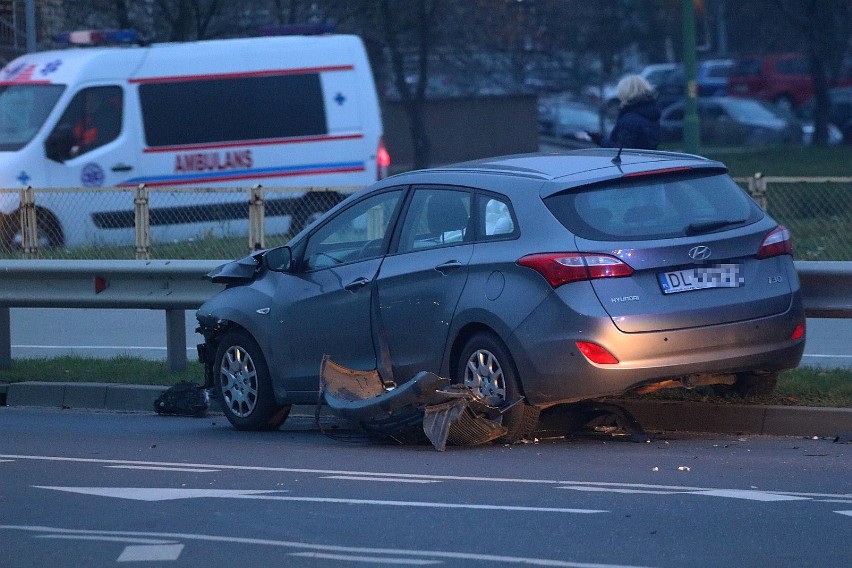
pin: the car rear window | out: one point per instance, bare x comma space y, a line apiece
654, 206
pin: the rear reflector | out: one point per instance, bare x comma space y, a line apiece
799, 331
596, 354
776, 243
560, 268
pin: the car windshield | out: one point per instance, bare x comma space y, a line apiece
23, 110
656, 206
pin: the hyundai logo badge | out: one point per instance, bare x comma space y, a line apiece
700, 252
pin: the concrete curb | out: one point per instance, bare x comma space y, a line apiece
654, 416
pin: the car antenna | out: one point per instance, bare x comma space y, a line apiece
617, 159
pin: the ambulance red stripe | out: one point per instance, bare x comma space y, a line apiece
241, 75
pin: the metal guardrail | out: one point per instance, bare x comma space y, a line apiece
178, 285
170, 285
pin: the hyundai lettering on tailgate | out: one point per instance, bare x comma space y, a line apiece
701, 278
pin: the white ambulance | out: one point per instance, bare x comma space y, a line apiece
276, 111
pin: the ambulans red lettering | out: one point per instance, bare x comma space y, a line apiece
213, 161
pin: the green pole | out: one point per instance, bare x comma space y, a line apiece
691, 136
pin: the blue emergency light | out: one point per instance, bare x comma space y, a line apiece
97, 37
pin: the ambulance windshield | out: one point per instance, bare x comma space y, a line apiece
23, 110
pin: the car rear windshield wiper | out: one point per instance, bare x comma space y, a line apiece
700, 227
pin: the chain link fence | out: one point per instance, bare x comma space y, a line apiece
817, 211
156, 223
224, 223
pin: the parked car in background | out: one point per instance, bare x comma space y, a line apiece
840, 114
576, 124
733, 121
712, 77
533, 280
782, 79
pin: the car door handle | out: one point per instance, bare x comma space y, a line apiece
122, 168
356, 284
448, 266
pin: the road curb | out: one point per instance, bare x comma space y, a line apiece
654, 416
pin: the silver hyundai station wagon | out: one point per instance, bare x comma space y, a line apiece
545, 278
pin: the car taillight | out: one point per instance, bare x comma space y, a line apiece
776, 243
383, 160
560, 268
798, 331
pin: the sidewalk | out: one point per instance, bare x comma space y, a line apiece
654, 416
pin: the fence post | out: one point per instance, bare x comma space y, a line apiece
5, 339
176, 340
28, 222
757, 189
142, 222
257, 219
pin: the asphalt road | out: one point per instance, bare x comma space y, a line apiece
43, 332
92, 489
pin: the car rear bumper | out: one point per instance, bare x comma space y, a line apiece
552, 369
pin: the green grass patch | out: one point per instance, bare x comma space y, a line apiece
120, 370
805, 386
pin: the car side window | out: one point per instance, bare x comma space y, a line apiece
495, 217
436, 217
356, 233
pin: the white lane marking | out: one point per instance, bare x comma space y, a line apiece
123, 539
370, 559
390, 479
749, 495
159, 494
487, 558
677, 488
825, 356
844, 501
616, 490
161, 468
148, 552
165, 494
847, 513
3, 461
732, 493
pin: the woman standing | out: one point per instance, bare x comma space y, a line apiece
638, 122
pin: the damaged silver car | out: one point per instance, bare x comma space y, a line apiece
526, 281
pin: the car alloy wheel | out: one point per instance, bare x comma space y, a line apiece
239, 381
484, 374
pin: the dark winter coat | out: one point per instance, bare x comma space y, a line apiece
637, 126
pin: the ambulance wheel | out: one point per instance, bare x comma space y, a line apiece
48, 231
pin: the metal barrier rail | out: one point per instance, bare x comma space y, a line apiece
178, 285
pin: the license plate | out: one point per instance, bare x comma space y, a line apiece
701, 278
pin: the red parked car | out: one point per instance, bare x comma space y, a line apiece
783, 79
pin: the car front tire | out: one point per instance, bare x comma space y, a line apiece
244, 385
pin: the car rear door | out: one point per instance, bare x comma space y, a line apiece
419, 286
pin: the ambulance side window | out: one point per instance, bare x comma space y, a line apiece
93, 118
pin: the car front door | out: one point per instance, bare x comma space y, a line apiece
419, 286
323, 305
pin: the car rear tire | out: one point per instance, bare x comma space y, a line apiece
244, 385
486, 366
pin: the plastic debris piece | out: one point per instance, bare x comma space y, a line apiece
655, 468
683, 468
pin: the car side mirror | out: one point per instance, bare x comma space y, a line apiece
58, 145
278, 259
